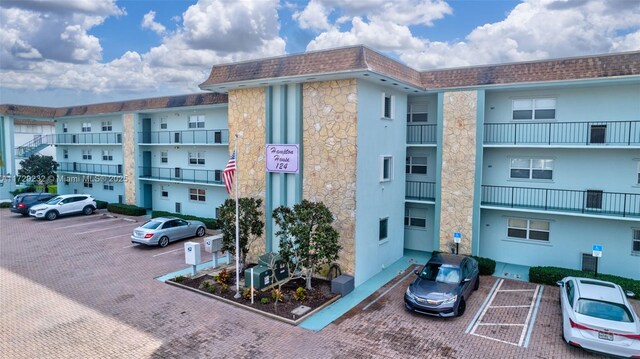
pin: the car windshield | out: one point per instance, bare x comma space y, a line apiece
55, 200
439, 273
151, 225
604, 310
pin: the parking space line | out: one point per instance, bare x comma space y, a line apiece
484, 304
484, 310
85, 223
388, 290
502, 324
498, 340
119, 235
518, 290
101, 229
175, 250
133, 245
533, 320
533, 302
509, 306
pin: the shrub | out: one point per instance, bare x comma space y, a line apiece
264, 300
486, 265
247, 293
126, 209
300, 294
210, 223
224, 277
5, 204
550, 275
179, 279
224, 287
17, 191
276, 295
101, 204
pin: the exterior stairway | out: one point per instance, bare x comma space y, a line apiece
34, 146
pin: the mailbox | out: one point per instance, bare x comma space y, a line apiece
261, 277
192, 253
279, 265
213, 244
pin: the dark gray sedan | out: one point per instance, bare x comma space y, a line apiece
163, 230
443, 285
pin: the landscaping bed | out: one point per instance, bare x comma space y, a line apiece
291, 296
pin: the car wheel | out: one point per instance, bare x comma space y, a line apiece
87, 210
200, 232
477, 285
51, 215
24, 214
462, 306
163, 242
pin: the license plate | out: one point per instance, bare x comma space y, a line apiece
605, 336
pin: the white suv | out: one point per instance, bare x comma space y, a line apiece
63, 205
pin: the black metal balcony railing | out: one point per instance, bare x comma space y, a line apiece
421, 191
91, 168
621, 133
589, 201
98, 138
181, 175
208, 137
422, 134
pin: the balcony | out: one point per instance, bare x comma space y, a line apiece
610, 133
190, 137
422, 134
90, 168
100, 138
590, 202
420, 191
180, 175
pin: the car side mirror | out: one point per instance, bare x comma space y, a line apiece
416, 272
560, 283
466, 280
629, 293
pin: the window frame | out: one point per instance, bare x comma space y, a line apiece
392, 106
164, 157
86, 155
635, 238
411, 113
196, 121
86, 127
534, 108
528, 229
65, 127
198, 159
163, 124
107, 155
383, 160
65, 153
164, 192
409, 217
410, 166
384, 220
108, 186
638, 172
197, 194
531, 168
107, 126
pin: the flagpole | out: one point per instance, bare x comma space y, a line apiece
237, 226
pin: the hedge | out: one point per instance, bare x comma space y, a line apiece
5, 204
126, 209
23, 190
101, 204
210, 223
550, 275
486, 265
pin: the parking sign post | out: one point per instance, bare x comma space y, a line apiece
597, 253
457, 238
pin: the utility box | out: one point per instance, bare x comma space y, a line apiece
192, 253
279, 265
261, 277
213, 244
342, 285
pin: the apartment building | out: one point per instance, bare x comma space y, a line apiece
528, 163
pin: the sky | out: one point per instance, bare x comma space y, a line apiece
71, 52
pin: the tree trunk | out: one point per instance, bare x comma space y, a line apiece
309, 275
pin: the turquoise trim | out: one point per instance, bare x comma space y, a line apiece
3, 155
284, 121
300, 141
477, 188
438, 202
268, 197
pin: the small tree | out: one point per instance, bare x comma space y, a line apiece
251, 225
307, 237
42, 168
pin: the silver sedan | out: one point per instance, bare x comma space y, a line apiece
163, 230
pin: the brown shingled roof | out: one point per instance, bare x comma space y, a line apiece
200, 99
360, 58
34, 123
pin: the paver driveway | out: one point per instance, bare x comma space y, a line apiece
77, 288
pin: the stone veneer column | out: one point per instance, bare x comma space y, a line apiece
458, 168
330, 149
128, 149
247, 113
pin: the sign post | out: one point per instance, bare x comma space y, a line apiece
457, 238
597, 253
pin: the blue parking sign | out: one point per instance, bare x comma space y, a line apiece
597, 250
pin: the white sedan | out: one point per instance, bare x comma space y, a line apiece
597, 316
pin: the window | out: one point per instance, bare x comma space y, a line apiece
570, 291
416, 165
87, 182
107, 155
108, 186
164, 192
164, 157
417, 113
531, 168
107, 126
528, 229
534, 109
388, 105
163, 123
598, 134
415, 217
383, 229
196, 194
386, 168
65, 128
594, 199
217, 175
178, 207
86, 154
86, 127
638, 173
196, 158
65, 154
635, 243
196, 121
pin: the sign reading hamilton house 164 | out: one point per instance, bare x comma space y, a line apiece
282, 158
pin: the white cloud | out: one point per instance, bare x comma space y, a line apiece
148, 22
314, 16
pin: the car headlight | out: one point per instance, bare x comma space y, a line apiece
409, 292
450, 300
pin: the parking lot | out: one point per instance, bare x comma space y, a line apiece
77, 287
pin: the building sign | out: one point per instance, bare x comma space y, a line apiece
597, 250
282, 158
